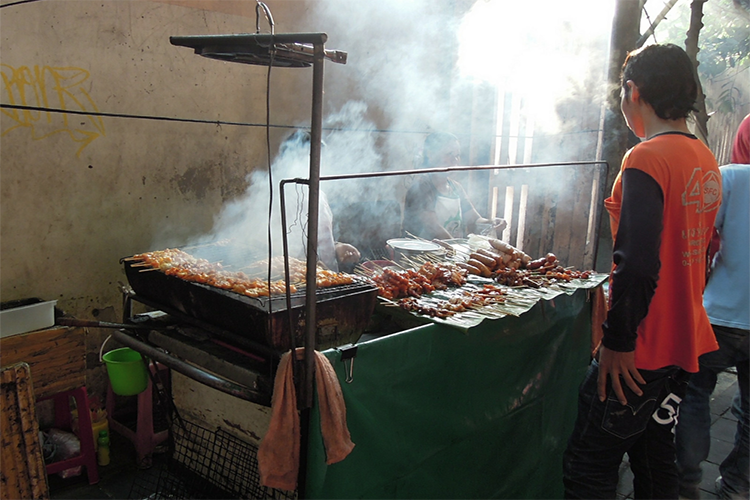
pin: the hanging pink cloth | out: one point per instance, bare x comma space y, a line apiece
278, 456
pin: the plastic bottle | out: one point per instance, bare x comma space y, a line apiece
102, 454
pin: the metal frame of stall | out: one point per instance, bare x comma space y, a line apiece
218, 47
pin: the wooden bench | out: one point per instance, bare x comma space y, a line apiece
57, 361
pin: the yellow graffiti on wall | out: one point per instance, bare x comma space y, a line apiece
51, 87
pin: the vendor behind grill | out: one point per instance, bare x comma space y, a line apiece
437, 206
336, 255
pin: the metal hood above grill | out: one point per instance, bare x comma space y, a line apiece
291, 50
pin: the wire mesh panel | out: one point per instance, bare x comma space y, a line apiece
206, 464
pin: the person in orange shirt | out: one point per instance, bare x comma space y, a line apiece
662, 210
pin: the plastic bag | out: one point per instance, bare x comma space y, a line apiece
67, 446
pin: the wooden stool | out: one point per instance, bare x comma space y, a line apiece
143, 438
87, 457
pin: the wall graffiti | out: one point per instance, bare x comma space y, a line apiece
51, 87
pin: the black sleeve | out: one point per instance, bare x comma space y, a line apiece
636, 255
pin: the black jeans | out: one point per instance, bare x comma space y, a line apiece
605, 431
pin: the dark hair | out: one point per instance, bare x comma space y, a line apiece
433, 143
665, 78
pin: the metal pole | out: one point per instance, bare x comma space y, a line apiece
396, 173
288, 281
312, 226
308, 371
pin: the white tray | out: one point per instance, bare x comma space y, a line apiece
27, 318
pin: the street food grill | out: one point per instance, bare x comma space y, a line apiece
176, 262
247, 305
481, 278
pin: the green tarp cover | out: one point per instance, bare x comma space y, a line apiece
437, 412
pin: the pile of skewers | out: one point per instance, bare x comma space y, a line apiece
406, 287
180, 264
509, 266
460, 301
430, 276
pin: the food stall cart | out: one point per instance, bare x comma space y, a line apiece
476, 405
435, 409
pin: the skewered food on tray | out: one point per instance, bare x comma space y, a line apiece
178, 263
509, 266
495, 280
463, 300
431, 276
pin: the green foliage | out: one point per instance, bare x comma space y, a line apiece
724, 57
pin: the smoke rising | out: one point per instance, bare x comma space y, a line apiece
408, 61
246, 220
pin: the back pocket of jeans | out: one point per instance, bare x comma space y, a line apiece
625, 421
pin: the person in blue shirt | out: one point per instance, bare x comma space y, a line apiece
727, 302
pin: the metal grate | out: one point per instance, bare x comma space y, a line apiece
206, 464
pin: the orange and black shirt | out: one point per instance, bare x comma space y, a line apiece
662, 210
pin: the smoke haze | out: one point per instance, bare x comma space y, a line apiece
408, 61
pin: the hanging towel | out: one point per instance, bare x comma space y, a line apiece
336, 437
278, 455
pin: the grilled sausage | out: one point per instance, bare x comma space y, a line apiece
501, 245
492, 254
470, 268
487, 261
536, 264
484, 270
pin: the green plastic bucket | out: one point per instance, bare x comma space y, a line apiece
126, 370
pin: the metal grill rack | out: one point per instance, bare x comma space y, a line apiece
205, 464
